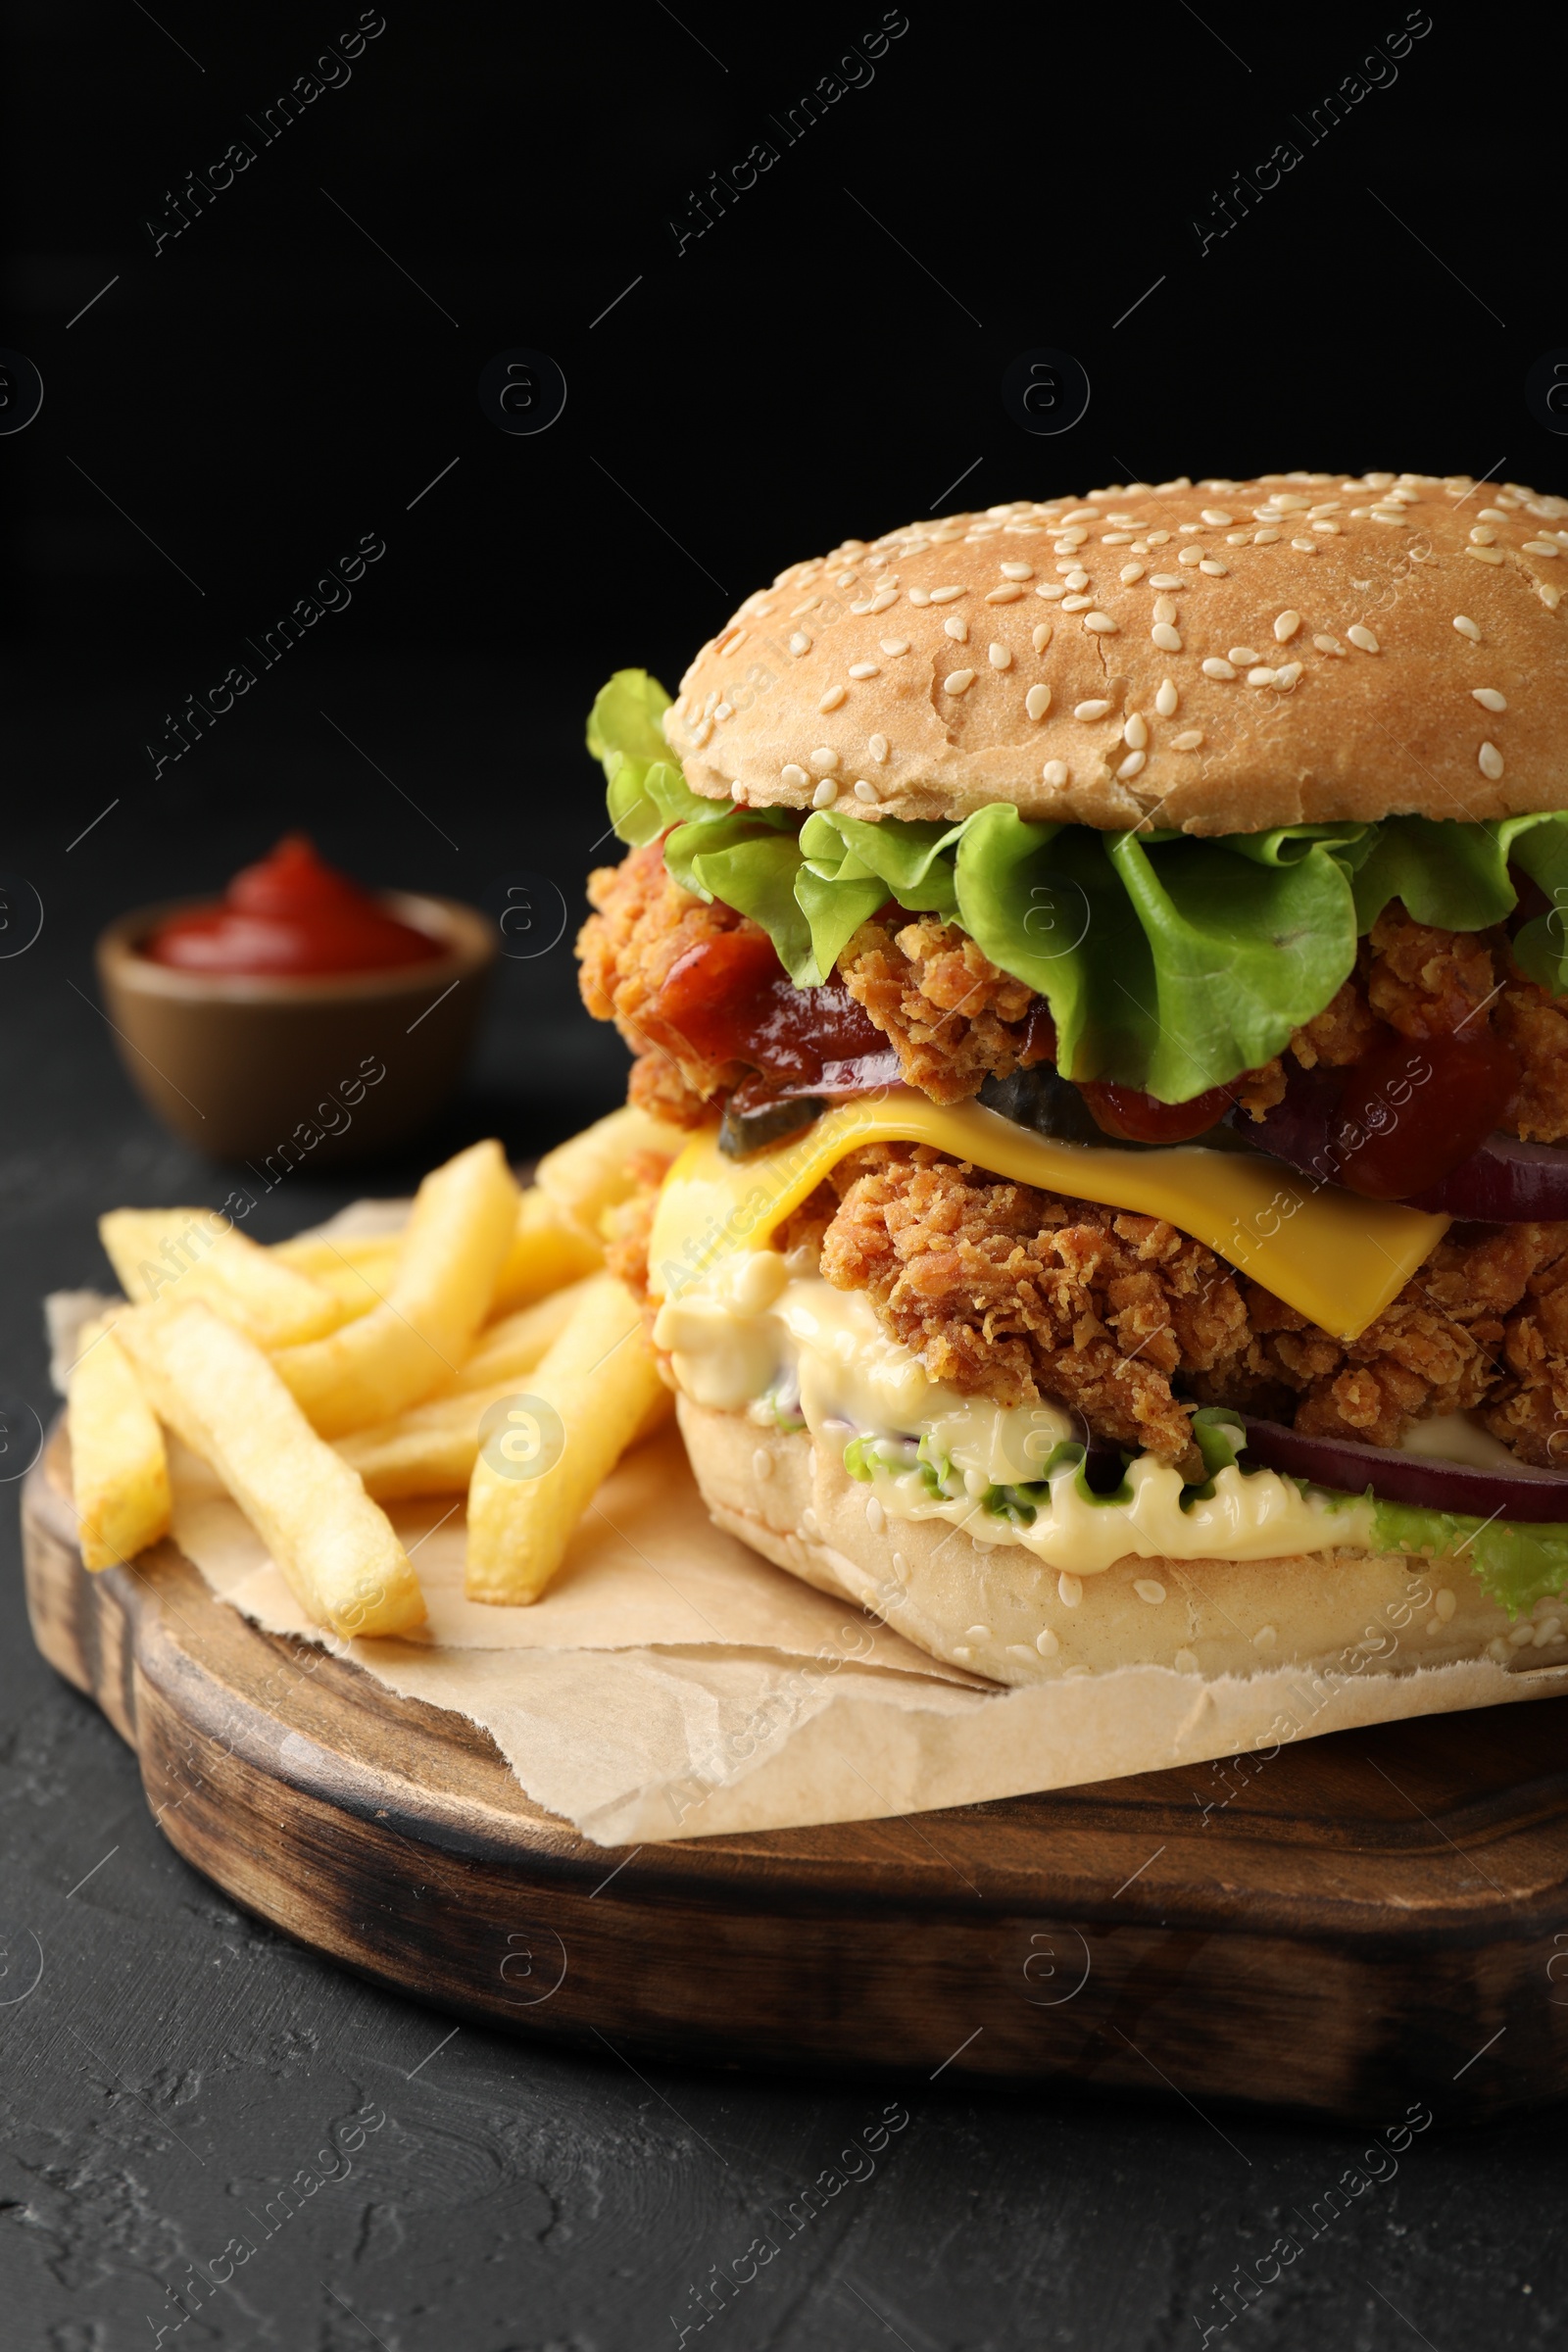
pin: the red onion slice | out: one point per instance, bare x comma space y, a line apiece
1532, 1496
1505, 1181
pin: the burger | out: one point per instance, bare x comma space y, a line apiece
1108, 958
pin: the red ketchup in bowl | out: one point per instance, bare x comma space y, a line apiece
290, 917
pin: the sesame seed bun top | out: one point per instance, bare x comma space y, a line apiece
1226, 657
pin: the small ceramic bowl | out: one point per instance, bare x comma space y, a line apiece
275, 1071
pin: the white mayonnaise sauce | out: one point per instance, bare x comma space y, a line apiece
757, 1322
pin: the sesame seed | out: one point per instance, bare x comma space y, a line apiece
952, 626
919, 596
882, 599
1037, 702
1131, 573
1467, 627
1069, 1589
1542, 547
1486, 555
1135, 734
1307, 547
1133, 765
826, 792
1550, 594
1394, 515
1040, 636
865, 791
1490, 759
1158, 538
1285, 676
1003, 596
1149, 1588
1328, 644
1260, 677
1045, 1643
1078, 578
895, 645
1483, 536
1190, 555
864, 669
809, 605
826, 759
800, 643
1242, 655
1096, 709
1188, 742
1217, 520
1265, 538
702, 732
737, 792
1076, 604
1164, 607
1214, 667
1286, 626
1329, 530
1073, 536
1166, 579
1000, 656
833, 696
1214, 568
723, 711
957, 681
1489, 698
1491, 515
1114, 538
1102, 624
1240, 538
1054, 772
945, 596
878, 748
1017, 571
1166, 699
1051, 591
1167, 638
794, 780
1361, 636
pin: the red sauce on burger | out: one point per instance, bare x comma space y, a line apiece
290, 916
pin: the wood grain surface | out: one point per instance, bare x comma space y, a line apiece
1366, 1920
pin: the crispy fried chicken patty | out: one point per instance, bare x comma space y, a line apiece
1006, 1291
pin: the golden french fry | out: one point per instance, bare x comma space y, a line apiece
513, 1343
548, 1249
197, 1253
218, 1393
464, 1217
531, 1483
591, 1173
119, 1469
430, 1449
359, 1271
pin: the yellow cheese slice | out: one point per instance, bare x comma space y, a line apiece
1337, 1258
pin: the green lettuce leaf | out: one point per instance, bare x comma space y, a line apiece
851, 867
646, 792
1517, 1565
1169, 963
750, 860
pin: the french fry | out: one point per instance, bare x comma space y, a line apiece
359, 1271
197, 1253
591, 1173
464, 1217
596, 1386
430, 1449
218, 1393
513, 1343
119, 1469
548, 1250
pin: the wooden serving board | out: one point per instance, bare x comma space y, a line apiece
1370, 1919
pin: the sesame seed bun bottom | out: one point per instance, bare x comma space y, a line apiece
988, 1607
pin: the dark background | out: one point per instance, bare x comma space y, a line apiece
222, 425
